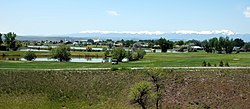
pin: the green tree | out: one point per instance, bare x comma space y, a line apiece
141, 53
247, 46
221, 64
106, 53
181, 42
194, 42
156, 77
30, 55
129, 43
10, 40
239, 42
206, 46
129, 55
220, 45
208, 64
214, 44
91, 41
136, 55
118, 53
227, 64
1, 40
142, 94
165, 44
204, 64
61, 53
17, 45
228, 45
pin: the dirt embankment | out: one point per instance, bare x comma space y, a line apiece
222, 89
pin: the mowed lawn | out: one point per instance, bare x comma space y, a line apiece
150, 60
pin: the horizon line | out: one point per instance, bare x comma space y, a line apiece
145, 32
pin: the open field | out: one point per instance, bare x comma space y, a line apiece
150, 60
109, 89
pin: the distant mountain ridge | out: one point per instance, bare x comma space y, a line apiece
142, 35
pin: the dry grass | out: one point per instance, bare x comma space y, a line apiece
109, 89
221, 89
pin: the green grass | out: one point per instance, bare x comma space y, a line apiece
150, 60
194, 59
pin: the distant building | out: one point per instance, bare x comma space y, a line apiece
119, 44
196, 47
76, 42
96, 40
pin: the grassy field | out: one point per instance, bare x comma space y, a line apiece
150, 60
20, 89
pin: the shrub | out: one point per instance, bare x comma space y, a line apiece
118, 53
29, 55
227, 64
156, 77
62, 53
204, 64
141, 53
106, 53
142, 94
124, 68
114, 69
135, 56
208, 64
221, 64
129, 55
88, 49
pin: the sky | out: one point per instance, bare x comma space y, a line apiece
48, 17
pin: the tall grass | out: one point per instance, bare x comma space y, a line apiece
22, 89
69, 88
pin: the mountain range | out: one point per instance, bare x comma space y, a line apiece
141, 35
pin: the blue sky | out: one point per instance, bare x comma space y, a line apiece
46, 17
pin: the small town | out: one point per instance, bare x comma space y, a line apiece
124, 54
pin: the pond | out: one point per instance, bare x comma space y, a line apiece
34, 50
46, 48
73, 59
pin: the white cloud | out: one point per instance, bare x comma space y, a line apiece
247, 12
224, 32
113, 13
125, 32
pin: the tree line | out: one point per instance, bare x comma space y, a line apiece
215, 45
222, 45
9, 40
120, 53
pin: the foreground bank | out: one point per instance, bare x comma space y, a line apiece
110, 89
